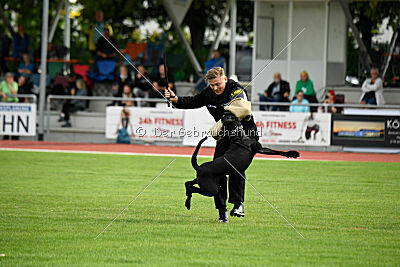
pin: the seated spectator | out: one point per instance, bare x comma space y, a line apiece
123, 79
26, 67
216, 61
20, 42
299, 100
74, 105
141, 86
278, 91
8, 87
24, 87
307, 86
53, 51
104, 50
127, 93
160, 84
372, 90
330, 98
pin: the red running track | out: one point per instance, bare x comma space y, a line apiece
183, 151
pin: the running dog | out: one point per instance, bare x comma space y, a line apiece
236, 159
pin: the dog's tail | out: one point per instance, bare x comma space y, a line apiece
196, 151
268, 151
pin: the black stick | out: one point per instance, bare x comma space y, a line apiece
166, 77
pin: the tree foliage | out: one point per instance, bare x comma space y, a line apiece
127, 16
369, 16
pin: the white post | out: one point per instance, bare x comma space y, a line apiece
217, 40
326, 36
67, 36
253, 67
232, 43
53, 25
67, 30
289, 37
43, 64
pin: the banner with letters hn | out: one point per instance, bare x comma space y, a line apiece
17, 119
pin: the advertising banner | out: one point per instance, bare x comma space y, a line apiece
145, 123
366, 131
17, 119
189, 126
197, 122
291, 128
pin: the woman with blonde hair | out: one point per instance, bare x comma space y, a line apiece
74, 105
307, 86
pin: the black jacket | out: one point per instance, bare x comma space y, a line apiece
142, 83
104, 46
216, 103
284, 87
121, 83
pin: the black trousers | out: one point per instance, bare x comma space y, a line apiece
312, 99
69, 108
236, 181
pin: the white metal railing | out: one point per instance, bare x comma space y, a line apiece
325, 105
29, 96
139, 100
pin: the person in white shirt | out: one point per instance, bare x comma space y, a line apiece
372, 90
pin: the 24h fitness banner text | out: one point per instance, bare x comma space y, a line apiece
145, 123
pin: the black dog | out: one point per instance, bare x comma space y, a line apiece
237, 158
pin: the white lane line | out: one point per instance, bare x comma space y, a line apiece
146, 154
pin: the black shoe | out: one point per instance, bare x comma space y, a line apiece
66, 125
61, 119
223, 216
238, 210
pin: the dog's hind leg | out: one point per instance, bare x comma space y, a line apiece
190, 189
188, 185
188, 202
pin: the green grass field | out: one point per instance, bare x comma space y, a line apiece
52, 206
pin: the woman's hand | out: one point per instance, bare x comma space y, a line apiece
12, 89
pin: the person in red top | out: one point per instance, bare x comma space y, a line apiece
330, 98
